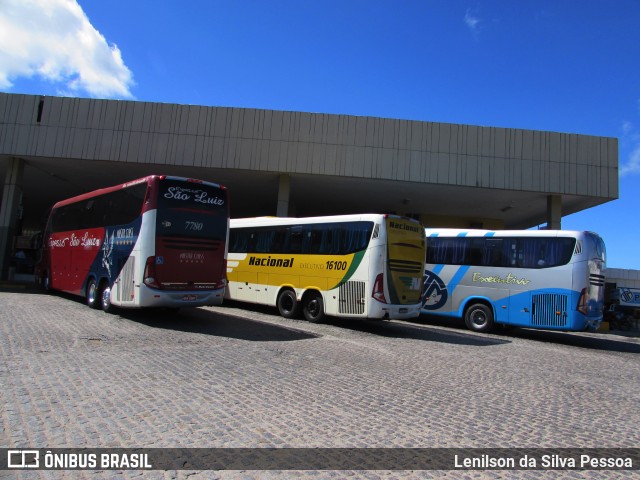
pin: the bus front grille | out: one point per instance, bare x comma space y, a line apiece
351, 298
549, 310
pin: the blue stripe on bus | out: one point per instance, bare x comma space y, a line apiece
457, 278
459, 275
437, 268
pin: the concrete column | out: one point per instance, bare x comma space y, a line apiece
11, 201
284, 191
554, 212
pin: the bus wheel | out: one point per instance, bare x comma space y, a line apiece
479, 318
106, 299
287, 304
312, 307
93, 294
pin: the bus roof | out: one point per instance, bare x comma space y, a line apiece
103, 191
268, 221
471, 232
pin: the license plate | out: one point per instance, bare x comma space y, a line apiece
189, 298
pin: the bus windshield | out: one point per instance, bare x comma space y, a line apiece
191, 209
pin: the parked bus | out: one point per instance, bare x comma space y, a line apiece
348, 266
536, 279
156, 241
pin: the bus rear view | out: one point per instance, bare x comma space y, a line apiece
190, 240
155, 241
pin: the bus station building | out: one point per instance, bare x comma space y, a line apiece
286, 163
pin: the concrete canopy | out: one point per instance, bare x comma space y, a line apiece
456, 175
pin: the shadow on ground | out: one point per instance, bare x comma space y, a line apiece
383, 328
204, 321
593, 341
209, 322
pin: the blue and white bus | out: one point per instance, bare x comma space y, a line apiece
547, 279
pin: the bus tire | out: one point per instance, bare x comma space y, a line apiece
93, 294
479, 318
313, 307
107, 306
287, 303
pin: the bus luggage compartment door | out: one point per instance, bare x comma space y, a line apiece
520, 307
549, 310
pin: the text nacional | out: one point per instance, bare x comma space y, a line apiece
271, 262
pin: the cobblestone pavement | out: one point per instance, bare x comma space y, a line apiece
238, 376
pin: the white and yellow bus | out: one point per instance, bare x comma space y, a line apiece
368, 265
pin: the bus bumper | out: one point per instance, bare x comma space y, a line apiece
150, 297
394, 312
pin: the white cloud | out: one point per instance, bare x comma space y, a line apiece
54, 40
472, 21
632, 165
630, 137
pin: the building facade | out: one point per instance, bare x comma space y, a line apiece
296, 163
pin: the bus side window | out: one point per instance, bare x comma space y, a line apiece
55, 220
252, 239
460, 251
326, 242
546, 254
68, 217
313, 240
474, 251
263, 241
493, 254
239, 240
88, 214
278, 240
294, 239
436, 251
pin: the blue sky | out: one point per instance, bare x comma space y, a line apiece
568, 66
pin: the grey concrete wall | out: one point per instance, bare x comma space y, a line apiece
623, 277
322, 144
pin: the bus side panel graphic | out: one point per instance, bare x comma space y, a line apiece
300, 271
101, 252
536, 279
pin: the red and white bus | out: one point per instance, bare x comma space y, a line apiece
159, 241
